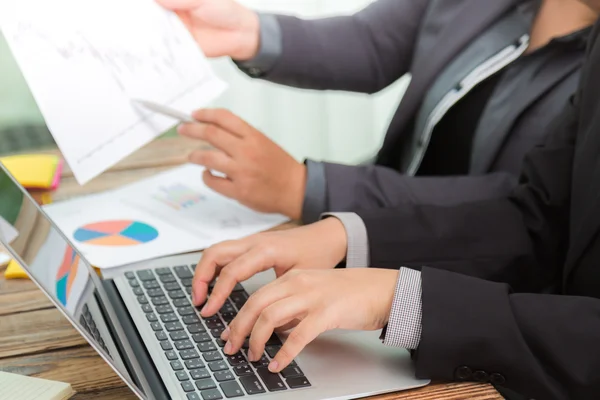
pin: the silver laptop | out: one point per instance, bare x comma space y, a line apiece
141, 321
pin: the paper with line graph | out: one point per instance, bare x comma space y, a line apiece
85, 60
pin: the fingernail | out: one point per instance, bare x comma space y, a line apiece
225, 334
228, 348
250, 355
273, 366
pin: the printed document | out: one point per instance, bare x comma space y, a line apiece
85, 61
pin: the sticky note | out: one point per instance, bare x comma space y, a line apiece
34, 171
14, 271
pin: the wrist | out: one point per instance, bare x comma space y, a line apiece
249, 37
333, 231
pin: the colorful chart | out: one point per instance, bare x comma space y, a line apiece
178, 196
66, 275
116, 233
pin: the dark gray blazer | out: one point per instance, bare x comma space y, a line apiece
439, 42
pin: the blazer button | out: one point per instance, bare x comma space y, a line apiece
481, 376
497, 379
463, 373
255, 72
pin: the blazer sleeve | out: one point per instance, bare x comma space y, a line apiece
541, 346
520, 240
364, 52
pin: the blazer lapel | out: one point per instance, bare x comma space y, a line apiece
505, 108
451, 40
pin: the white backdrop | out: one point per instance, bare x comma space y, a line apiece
338, 127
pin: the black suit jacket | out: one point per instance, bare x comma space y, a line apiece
511, 288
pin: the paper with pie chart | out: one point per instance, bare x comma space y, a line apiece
170, 213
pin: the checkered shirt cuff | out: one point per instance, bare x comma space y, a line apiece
404, 326
357, 255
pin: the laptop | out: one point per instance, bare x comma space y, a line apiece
140, 320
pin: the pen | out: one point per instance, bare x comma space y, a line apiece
164, 110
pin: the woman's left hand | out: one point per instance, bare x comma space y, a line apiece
314, 301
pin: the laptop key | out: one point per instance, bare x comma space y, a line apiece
165, 318
189, 354
183, 272
183, 345
191, 319
223, 376
216, 366
138, 291
231, 389
227, 307
186, 311
252, 384
178, 335
156, 326
195, 328
173, 326
216, 333
142, 299
212, 356
237, 359
272, 381
134, 283
187, 282
151, 317
162, 271
160, 301
182, 376
129, 275
193, 396
298, 382
243, 370
176, 365
291, 372
205, 384
229, 316
166, 345
178, 303
145, 275
263, 362
188, 387
172, 286
272, 350
165, 309
194, 363
239, 299
238, 288
167, 278
188, 290
212, 394
152, 284
177, 294
147, 308
207, 346
155, 292
273, 341
201, 337
199, 373
213, 322
221, 343
171, 355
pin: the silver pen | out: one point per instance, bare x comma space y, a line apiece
164, 110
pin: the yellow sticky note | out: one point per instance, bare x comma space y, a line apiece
14, 271
34, 171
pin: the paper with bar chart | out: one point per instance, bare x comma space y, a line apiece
84, 63
170, 213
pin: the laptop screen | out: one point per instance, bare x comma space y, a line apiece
56, 266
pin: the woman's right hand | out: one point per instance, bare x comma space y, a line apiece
321, 245
221, 27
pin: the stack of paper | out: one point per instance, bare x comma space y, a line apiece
18, 387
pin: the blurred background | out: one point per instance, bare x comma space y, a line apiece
338, 127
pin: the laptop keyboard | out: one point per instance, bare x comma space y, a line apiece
192, 344
87, 321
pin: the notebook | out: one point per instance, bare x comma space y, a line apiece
18, 387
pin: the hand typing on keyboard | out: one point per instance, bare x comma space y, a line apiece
320, 300
317, 246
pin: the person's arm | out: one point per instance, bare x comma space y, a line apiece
364, 52
345, 188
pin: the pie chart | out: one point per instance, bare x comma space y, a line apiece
120, 233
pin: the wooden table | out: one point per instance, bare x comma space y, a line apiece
36, 340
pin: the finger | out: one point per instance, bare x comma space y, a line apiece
214, 159
217, 137
244, 322
278, 314
179, 4
307, 331
242, 268
224, 186
288, 326
224, 119
213, 259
